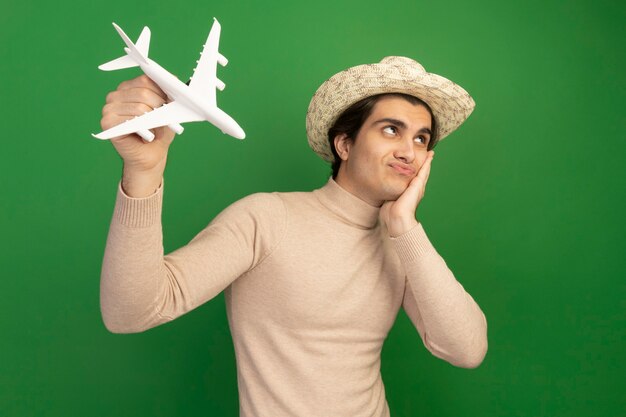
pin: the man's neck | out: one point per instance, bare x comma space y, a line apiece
352, 189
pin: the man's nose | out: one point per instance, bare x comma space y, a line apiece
405, 150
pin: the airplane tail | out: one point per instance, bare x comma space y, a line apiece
135, 53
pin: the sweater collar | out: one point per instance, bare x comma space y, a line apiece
350, 208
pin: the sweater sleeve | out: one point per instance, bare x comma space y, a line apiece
449, 321
141, 288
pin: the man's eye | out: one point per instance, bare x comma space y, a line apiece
422, 138
390, 129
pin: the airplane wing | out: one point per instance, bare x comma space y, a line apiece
169, 113
204, 79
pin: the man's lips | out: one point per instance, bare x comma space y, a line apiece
403, 169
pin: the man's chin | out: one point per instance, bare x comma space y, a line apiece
394, 191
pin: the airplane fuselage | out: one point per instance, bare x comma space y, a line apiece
178, 91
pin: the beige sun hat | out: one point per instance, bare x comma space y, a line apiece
451, 104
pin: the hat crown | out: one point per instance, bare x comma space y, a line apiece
404, 62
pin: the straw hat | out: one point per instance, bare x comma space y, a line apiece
451, 105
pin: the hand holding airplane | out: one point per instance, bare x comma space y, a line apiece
188, 103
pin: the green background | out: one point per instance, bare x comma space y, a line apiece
524, 202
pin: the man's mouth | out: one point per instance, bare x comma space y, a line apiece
403, 169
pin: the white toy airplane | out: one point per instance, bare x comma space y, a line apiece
189, 103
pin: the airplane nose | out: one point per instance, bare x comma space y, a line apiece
227, 124
238, 133
234, 129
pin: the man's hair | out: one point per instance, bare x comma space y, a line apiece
352, 119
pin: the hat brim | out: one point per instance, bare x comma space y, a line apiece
450, 103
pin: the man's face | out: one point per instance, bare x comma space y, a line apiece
388, 151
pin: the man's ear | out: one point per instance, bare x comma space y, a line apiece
343, 144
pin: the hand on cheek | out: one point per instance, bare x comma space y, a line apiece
399, 215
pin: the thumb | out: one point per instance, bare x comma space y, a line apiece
165, 136
384, 211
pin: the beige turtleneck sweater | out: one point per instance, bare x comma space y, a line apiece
312, 285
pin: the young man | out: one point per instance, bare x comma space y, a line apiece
313, 280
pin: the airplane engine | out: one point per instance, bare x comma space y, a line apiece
146, 135
222, 60
220, 84
176, 128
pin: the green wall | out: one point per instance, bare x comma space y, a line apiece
524, 202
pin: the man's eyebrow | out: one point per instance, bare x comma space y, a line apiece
425, 130
396, 122
401, 124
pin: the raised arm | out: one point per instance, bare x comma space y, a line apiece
451, 324
141, 288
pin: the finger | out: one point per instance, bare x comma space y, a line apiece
143, 81
125, 138
125, 109
115, 113
430, 164
385, 207
417, 186
136, 95
164, 136
424, 172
